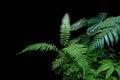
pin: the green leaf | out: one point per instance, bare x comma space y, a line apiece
115, 34
112, 78
106, 64
94, 22
107, 40
103, 68
57, 62
39, 46
105, 32
111, 38
118, 70
90, 77
65, 30
98, 18
109, 72
79, 24
76, 53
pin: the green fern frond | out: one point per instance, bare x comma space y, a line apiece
108, 65
79, 24
76, 52
117, 69
57, 62
65, 30
39, 46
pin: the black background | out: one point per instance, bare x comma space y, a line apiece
40, 22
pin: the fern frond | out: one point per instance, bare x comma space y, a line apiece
39, 46
118, 70
65, 30
108, 65
79, 24
57, 62
108, 34
76, 52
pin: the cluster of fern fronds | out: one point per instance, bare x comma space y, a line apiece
85, 57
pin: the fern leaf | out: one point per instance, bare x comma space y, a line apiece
118, 70
112, 78
57, 62
79, 24
65, 30
108, 65
102, 68
90, 77
109, 72
76, 51
39, 46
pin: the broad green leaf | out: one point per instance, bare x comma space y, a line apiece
109, 72
103, 68
79, 24
118, 70
106, 61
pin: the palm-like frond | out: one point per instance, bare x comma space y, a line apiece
65, 30
94, 22
39, 46
108, 32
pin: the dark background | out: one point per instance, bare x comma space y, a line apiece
40, 22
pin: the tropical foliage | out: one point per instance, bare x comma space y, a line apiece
89, 56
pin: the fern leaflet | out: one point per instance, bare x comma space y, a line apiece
39, 46
65, 30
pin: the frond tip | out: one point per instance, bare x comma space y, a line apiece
39, 46
65, 30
